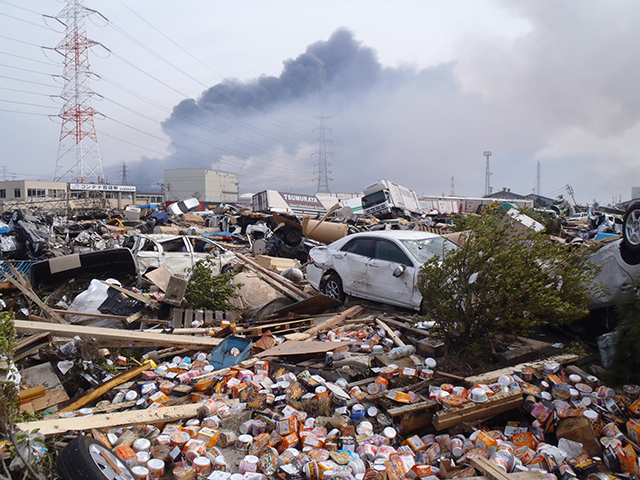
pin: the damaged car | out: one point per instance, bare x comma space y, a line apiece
382, 266
178, 253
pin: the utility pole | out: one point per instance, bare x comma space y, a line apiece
538, 180
79, 158
125, 173
487, 175
323, 165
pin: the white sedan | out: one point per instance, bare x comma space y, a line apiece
382, 266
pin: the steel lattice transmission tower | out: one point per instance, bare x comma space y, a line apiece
323, 165
79, 157
487, 175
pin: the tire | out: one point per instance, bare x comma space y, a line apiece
83, 459
333, 288
631, 228
292, 236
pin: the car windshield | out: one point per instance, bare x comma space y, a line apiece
425, 248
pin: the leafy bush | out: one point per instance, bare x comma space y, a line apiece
625, 363
504, 280
208, 292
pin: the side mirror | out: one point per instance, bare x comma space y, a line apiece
399, 271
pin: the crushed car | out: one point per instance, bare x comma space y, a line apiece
382, 266
177, 253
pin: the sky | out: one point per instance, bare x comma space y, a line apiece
413, 91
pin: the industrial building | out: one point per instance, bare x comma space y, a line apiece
205, 185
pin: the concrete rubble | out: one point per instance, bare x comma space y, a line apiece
121, 374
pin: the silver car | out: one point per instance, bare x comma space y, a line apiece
382, 266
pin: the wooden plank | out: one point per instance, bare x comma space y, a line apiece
177, 318
293, 291
492, 377
124, 337
137, 296
198, 317
108, 315
303, 348
44, 374
490, 470
397, 340
21, 284
149, 416
107, 386
310, 306
335, 320
208, 318
416, 407
219, 315
523, 353
31, 344
500, 402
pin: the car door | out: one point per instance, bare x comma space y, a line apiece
350, 262
177, 255
382, 284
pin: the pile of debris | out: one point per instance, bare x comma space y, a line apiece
128, 380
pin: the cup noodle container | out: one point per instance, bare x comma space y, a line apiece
156, 468
140, 473
202, 466
249, 464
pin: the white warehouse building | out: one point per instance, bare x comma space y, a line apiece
205, 185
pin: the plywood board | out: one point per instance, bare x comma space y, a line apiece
109, 420
123, 337
44, 374
302, 348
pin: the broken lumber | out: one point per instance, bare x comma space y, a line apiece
416, 407
397, 340
492, 377
149, 416
137, 296
107, 386
294, 291
123, 337
21, 284
108, 315
498, 403
334, 321
490, 470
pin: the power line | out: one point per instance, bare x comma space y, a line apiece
197, 164
30, 59
25, 21
20, 7
30, 93
25, 81
25, 103
25, 69
27, 113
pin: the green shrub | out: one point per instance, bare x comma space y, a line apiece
208, 292
504, 280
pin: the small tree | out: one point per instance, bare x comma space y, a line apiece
208, 291
504, 279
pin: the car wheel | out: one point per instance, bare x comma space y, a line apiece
292, 236
333, 288
631, 228
87, 458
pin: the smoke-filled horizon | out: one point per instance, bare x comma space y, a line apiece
562, 94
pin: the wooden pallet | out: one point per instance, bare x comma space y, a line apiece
280, 327
184, 318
